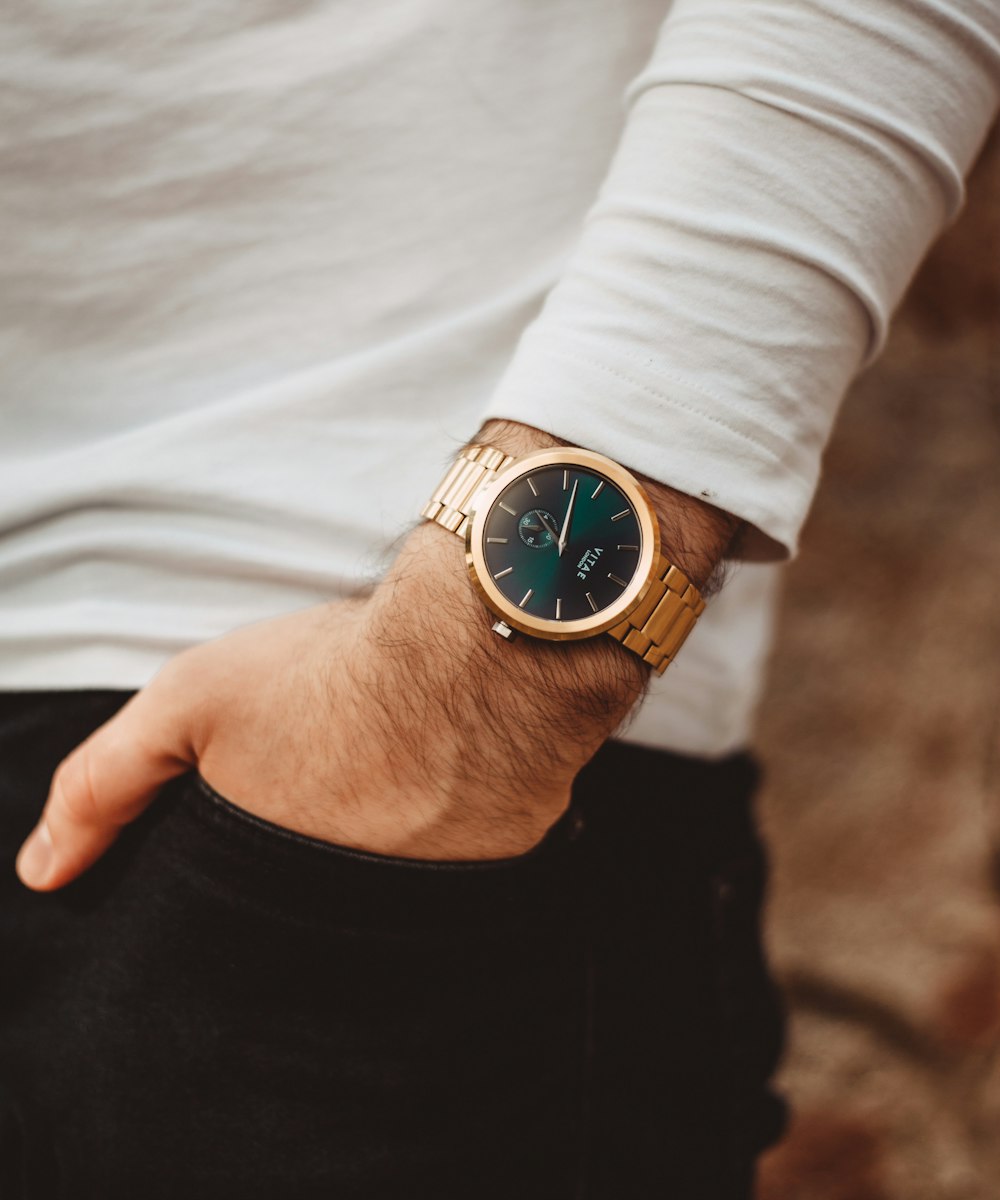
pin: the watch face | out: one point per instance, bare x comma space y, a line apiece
563, 545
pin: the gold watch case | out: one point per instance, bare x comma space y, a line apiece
542, 627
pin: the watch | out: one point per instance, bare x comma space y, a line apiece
564, 544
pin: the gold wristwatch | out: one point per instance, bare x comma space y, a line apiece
564, 544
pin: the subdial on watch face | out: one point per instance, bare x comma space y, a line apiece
538, 529
562, 543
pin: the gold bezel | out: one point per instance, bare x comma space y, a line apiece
542, 627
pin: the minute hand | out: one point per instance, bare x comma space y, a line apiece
564, 532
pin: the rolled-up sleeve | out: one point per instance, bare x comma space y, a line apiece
785, 165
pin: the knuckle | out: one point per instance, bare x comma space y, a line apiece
74, 787
171, 679
182, 680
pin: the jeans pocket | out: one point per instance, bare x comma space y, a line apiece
283, 871
242, 821
221, 1006
295, 1018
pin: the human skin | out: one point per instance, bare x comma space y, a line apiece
398, 723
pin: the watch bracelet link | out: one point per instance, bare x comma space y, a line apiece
473, 468
659, 624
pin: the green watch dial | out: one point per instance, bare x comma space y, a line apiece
562, 542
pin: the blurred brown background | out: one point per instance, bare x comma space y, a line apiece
881, 732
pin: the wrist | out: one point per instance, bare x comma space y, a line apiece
566, 698
502, 697
693, 534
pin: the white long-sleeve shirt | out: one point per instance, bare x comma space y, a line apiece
265, 268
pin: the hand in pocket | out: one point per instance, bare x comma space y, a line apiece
391, 724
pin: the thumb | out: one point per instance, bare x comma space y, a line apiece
105, 783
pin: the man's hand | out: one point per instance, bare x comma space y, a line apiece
398, 724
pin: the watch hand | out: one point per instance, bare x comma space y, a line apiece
549, 526
564, 532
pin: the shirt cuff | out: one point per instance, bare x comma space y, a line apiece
665, 427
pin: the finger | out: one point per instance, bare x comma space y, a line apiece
105, 783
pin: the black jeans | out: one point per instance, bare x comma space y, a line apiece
221, 1008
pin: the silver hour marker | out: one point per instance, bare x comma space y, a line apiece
558, 608
566, 481
534, 490
501, 574
626, 546
513, 511
526, 597
597, 490
624, 513
503, 541
614, 579
592, 602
